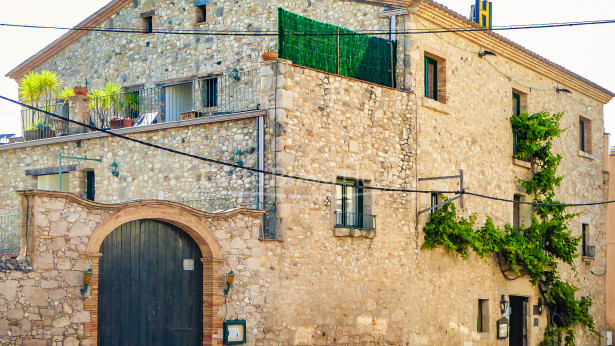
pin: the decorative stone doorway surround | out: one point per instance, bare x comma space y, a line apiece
198, 225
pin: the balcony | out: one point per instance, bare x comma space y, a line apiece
202, 97
10, 241
589, 251
358, 221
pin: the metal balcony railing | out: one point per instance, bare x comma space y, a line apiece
37, 125
589, 251
235, 92
355, 221
10, 240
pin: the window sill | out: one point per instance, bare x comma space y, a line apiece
200, 23
353, 233
435, 105
586, 155
587, 259
521, 163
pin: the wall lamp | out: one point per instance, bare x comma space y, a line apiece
485, 53
239, 153
87, 277
235, 75
503, 304
114, 170
230, 277
541, 304
563, 90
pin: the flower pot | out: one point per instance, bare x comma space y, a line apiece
119, 123
268, 56
80, 91
30, 135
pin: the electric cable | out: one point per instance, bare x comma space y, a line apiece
317, 181
319, 33
255, 170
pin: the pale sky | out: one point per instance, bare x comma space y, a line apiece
588, 51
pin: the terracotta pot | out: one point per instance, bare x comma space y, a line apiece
119, 123
268, 56
80, 91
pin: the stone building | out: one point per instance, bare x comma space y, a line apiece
312, 263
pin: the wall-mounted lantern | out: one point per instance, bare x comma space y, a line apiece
87, 277
541, 304
230, 277
503, 304
235, 75
237, 156
114, 170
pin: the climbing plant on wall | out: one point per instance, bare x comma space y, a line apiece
538, 248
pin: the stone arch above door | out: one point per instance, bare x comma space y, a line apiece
170, 213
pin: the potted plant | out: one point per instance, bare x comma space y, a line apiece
106, 102
118, 122
38, 130
269, 54
79, 90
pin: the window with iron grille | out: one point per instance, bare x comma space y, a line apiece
351, 209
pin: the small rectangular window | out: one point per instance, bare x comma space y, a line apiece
351, 206
519, 103
517, 213
482, 319
51, 182
516, 104
431, 78
587, 249
210, 92
90, 185
148, 25
201, 14
585, 135
435, 200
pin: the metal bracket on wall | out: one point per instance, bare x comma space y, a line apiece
457, 197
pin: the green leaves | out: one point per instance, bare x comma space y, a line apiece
536, 248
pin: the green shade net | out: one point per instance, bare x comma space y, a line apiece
363, 57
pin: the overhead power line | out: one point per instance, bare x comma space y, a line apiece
311, 33
310, 180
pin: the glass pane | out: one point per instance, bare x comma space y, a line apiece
340, 198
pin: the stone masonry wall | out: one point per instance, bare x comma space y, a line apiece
46, 307
148, 173
135, 59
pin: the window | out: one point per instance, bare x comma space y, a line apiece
585, 135
148, 21
482, 320
90, 185
177, 100
431, 78
351, 206
517, 213
586, 249
435, 200
519, 103
201, 14
435, 78
51, 182
209, 87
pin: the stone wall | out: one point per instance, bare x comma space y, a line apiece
135, 59
147, 173
46, 305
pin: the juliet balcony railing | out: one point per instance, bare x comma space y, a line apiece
589, 251
10, 240
235, 92
355, 221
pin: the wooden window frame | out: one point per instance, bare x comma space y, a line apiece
585, 142
433, 78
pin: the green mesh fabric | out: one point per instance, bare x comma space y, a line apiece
360, 56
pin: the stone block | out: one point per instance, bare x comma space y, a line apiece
36, 296
79, 229
58, 229
60, 322
8, 289
35, 342
44, 261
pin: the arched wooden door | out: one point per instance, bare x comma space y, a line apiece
150, 286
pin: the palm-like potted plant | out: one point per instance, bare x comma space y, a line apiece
41, 91
107, 103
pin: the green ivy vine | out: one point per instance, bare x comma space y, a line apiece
539, 248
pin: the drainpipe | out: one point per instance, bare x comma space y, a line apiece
260, 178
